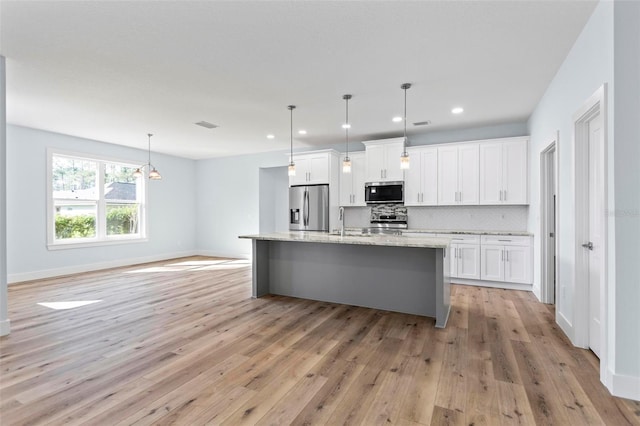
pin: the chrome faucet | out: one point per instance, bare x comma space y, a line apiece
341, 219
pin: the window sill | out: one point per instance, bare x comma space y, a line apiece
85, 244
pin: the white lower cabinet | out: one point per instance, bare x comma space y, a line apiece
506, 259
465, 256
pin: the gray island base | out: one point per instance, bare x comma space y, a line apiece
393, 273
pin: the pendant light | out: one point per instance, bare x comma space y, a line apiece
292, 165
346, 163
404, 158
154, 174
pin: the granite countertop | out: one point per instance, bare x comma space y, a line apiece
470, 232
353, 237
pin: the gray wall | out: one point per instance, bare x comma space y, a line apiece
4, 313
171, 224
626, 170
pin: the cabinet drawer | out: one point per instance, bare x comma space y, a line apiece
462, 238
506, 240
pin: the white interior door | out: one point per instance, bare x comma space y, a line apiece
596, 213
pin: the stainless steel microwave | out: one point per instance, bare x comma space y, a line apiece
384, 192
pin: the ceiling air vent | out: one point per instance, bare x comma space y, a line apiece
422, 123
206, 124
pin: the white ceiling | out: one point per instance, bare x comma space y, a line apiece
114, 71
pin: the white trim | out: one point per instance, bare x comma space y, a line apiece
89, 267
492, 284
548, 290
622, 386
596, 104
64, 245
5, 327
212, 253
565, 324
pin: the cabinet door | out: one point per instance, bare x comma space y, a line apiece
358, 167
447, 175
515, 172
393, 152
429, 177
468, 172
346, 186
375, 163
469, 261
302, 171
318, 167
491, 165
453, 260
492, 262
413, 181
517, 264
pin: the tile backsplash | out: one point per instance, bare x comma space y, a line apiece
492, 218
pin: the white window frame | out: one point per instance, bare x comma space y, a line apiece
101, 238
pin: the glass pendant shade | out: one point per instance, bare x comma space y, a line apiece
404, 158
404, 161
155, 174
292, 169
137, 173
346, 165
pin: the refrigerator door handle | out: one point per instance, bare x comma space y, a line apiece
306, 208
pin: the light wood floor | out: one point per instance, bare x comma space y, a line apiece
182, 342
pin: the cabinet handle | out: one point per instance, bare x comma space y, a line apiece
381, 176
501, 254
505, 195
506, 254
500, 195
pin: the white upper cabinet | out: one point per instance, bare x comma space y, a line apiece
458, 174
311, 169
421, 180
383, 160
504, 171
352, 184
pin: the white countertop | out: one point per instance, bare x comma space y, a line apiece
353, 238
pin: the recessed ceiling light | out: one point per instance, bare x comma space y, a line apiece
396, 119
270, 136
346, 126
302, 132
457, 110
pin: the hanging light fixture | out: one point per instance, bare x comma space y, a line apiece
404, 158
154, 174
292, 165
346, 163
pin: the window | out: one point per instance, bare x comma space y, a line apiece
93, 201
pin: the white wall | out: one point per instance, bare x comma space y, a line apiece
274, 199
229, 202
171, 208
588, 65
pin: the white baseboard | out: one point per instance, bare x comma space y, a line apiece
623, 386
492, 284
537, 293
565, 325
56, 272
212, 253
5, 327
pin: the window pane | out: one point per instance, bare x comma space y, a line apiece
123, 219
75, 220
74, 178
119, 183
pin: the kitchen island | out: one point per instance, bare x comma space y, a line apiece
393, 273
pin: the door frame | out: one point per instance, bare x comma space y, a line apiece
596, 104
549, 277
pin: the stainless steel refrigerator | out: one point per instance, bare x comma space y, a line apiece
309, 208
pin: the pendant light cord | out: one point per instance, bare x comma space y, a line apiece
291, 108
149, 151
405, 86
346, 127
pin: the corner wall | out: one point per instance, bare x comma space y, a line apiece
171, 207
4, 312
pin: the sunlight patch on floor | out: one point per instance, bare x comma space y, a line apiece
68, 304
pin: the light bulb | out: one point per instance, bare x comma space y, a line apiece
137, 173
292, 169
346, 165
154, 174
346, 126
